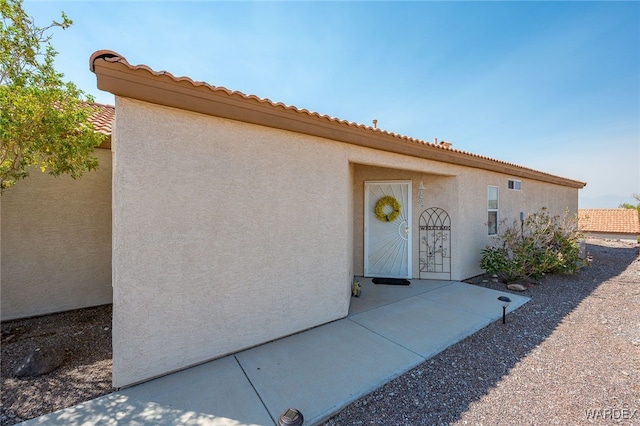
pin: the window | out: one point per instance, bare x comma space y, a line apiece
492, 210
516, 185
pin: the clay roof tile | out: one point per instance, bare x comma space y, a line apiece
624, 221
102, 118
111, 56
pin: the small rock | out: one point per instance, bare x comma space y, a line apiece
39, 362
516, 287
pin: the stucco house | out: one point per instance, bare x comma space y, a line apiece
619, 224
237, 220
55, 253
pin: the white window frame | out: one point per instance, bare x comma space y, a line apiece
492, 227
514, 184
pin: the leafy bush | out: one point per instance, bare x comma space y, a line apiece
496, 261
538, 245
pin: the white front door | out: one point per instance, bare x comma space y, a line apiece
387, 244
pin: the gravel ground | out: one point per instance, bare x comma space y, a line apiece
570, 356
572, 352
85, 337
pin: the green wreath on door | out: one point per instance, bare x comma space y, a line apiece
383, 202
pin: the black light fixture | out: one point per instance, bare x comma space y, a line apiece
290, 417
505, 302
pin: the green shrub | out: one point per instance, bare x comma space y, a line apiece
538, 245
497, 261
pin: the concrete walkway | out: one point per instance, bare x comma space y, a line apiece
389, 330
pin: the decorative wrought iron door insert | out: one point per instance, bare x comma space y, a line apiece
435, 242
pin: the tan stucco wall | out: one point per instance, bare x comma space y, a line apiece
462, 193
441, 192
471, 232
612, 236
56, 242
225, 236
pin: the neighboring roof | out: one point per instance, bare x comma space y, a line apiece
102, 119
618, 221
114, 74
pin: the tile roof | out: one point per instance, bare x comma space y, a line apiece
102, 118
624, 221
112, 57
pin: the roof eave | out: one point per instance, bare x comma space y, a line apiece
116, 76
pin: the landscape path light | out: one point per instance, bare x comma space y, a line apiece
290, 417
505, 302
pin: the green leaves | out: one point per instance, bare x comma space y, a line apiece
44, 121
538, 245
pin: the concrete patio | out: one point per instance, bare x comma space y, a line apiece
389, 330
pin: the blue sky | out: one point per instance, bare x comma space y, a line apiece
554, 86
